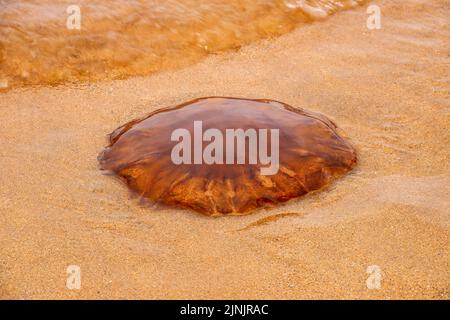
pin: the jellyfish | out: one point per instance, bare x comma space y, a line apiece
227, 156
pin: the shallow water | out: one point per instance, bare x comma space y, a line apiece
387, 89
123, 38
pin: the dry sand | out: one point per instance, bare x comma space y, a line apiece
387, 89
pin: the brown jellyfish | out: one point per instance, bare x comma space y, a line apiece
223, 156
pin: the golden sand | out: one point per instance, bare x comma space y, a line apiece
387, 89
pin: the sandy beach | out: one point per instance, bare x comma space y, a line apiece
387, 90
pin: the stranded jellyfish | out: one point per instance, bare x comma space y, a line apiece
223, 156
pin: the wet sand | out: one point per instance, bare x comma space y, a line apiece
387, 89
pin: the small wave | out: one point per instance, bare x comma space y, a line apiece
118, 39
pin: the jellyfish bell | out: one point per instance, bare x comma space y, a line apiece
221, 147
222, 156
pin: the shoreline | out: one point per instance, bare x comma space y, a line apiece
387, 90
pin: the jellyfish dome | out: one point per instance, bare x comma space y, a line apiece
227, 156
